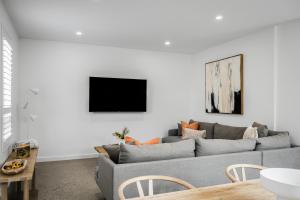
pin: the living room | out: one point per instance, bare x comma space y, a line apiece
57, 46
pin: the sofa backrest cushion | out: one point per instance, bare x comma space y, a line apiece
113, 152
278, 141
171, 139
164, 151
272, 133
209, 127
205, 147
228, 132
173, 132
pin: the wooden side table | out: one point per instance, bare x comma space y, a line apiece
26, 176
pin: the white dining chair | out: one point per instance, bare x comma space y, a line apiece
150, 179
234, 168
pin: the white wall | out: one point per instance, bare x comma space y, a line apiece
10, 31
271, 79
258, 79
64, 127
288, 94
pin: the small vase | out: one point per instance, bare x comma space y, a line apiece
121, 142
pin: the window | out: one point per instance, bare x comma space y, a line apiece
6, 77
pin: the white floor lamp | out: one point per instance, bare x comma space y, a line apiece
31, 117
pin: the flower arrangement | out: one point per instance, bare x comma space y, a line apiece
121, 135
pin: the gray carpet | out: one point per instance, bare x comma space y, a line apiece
66, 180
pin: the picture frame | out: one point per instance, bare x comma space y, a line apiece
224, 85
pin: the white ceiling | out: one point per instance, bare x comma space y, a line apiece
145, 24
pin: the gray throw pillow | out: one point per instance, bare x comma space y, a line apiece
209, 127
173, 132
164, 151
205, 147
262, 130
273, 142
228, 132
113, 152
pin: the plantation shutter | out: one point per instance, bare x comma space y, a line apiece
7, 55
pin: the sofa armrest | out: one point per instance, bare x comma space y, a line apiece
286, 158
105, 175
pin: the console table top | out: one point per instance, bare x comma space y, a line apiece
27, 174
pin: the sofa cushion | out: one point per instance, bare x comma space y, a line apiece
165, 151
113, 152
262, 129
228, 132
209, 127
205, 147
273, 142
171, 139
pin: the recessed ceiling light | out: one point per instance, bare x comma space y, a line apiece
167, 43
79, 33
219, 17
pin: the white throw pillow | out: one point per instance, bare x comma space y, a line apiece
250, 133
188, 133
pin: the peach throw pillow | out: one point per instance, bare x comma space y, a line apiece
153, 141
193, 125
130, 140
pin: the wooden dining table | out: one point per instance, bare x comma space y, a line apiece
249, 190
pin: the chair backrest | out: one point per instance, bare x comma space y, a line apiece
235, 177
138, 180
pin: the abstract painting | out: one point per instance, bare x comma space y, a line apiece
224, 85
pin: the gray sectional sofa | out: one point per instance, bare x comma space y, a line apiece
200, 171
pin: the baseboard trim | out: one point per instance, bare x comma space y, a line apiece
65, 157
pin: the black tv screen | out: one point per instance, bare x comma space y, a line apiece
117, 95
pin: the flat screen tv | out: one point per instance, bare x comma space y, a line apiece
117, 95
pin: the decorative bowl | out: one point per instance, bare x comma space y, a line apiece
14, 166
285, 183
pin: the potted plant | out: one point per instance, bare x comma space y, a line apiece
121, 135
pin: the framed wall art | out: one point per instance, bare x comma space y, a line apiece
224, 85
